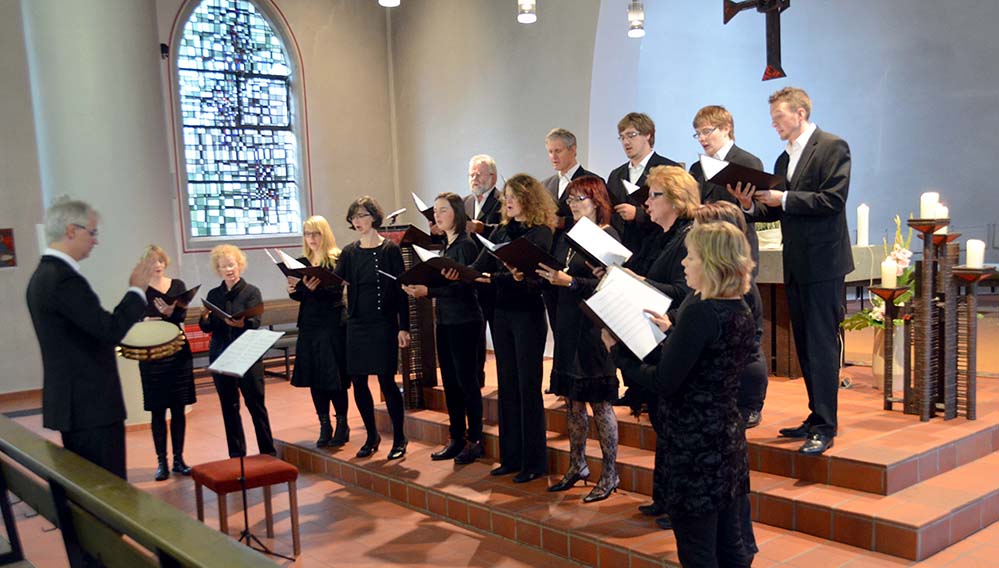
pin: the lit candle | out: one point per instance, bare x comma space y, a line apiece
889, 273
943, 212
928, 204
863, 225
976, 253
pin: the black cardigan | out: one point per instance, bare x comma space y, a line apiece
242, 296
510, 294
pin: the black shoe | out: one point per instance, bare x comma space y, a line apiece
525, 476
471, 452
752, 418
801, 431
369, 447
569, 480
179, 466
450, 451
325, 432
601, 492
653, 509
398, 450
664, 523
342, 433
162, 469
816, 444
503, 470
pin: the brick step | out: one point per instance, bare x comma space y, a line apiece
912, 523
876, 451
611, 533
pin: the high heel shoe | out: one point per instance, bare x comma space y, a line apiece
569, 480
398, 450
601, 492
369, 447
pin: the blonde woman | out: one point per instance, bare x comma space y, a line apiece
167, 383
235, 295
321, 349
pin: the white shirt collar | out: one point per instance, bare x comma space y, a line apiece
63, 257
641, 164
572, 171
795, 146
724, 150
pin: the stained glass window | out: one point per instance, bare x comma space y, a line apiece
240, 148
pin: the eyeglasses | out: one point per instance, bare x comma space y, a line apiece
359, 216
93, 232
312, 234
656, 194
705, 132
628, 135
576, 198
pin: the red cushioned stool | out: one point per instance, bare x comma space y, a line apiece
222, 477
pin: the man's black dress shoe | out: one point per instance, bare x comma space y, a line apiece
752, 418
503, 470
398, 450
525, 476
471, 452
450, 451
797, 432
664, 523
653, 509
816, 444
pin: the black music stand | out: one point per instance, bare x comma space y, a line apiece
246, 536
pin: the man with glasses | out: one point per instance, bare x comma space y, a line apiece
81, 390
561, 146
637, 134
817, 254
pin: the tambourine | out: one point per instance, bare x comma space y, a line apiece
151, 340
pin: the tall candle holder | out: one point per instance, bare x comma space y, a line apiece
926, 336
889, 295
968, 336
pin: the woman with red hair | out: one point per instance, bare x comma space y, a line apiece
583, 371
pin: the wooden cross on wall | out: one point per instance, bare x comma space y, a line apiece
772, 8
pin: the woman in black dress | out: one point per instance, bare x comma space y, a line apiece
583, 371
377, 321
167, 383
234, 295
697, 377
520, 330
459, 321
321, 348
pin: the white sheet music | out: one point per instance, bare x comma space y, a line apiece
425, 254
620, 301
487, 243
288, 261
711, 166
241, 354
419, 202
631, 187
598, 243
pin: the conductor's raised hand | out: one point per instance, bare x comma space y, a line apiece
627, 211
143, 273
744, 194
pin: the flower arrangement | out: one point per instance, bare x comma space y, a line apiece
902, 255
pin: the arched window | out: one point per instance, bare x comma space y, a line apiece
242, 169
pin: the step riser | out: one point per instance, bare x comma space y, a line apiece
863, 531
787, 462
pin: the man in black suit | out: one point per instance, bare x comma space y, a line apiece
482, 206
817, 254
81, 390
637, 134
561, 146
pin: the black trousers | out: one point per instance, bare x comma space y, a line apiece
711, 541
457, 357
660, 472
102, 445
519, 339
816, 310
251, 385
487, 300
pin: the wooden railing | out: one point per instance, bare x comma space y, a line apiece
103, 516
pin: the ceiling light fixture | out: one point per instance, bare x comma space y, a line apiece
636, 19
527, 12
388, 3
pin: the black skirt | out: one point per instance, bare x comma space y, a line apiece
320, 357
372, 347
168, 382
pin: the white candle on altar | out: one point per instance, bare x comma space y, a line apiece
889, 273
943, 212
976, 253
928, 204
863, 225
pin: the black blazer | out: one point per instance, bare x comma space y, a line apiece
489, 214
633, 233
712, 193
81, 388
813, 226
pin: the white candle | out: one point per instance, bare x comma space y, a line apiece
889, 273
976, 253
943, 212
863, 225
928, 204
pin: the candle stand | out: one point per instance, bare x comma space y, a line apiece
889, 295
967, 336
